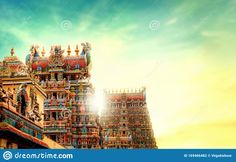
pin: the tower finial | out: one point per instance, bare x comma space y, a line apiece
68, 50
77, 50
12, 51
43, 52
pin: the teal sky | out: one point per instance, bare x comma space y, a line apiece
187, 62
184, 23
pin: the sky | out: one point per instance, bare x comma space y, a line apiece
182, 51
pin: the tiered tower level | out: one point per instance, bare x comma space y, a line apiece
21, 108
125, 121
68, 115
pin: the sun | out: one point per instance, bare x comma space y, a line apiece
98, 101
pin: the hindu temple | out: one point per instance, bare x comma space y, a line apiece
47, 102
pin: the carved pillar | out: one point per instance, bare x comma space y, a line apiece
60, 76
52, 76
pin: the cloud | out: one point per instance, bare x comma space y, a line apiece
171, 21
214, 34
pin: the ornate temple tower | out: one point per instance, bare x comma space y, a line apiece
47, 104
21, 107
125, 120
69, 117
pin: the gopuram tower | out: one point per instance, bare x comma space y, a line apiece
125, 121
69, 117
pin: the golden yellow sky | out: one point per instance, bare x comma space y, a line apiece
191, 100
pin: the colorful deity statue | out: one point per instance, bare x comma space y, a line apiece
34, 114
56, 50
21, 71
22, 99
130, 137
84, 130
34, 51
86, 51
56, 58
82, 109
3, 94
33, 54
106, 138
31, 58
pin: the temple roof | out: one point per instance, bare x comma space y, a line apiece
12, 66
26, 139
130, 97
40, 62
74, 62
56, 57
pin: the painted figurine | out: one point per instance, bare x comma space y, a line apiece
22, 99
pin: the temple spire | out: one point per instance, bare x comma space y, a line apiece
43, 52
68, 50
12, 52
77, 50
